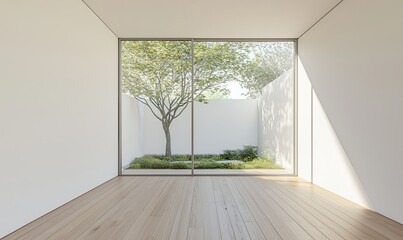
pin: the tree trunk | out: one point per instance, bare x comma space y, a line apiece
165, 126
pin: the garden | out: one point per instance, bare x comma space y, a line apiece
245, 158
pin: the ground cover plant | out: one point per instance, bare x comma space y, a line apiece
247, 158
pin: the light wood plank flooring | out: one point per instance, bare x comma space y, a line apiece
210, 208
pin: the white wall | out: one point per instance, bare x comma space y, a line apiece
353, 58
132, 129
58, 106
276, 120
225, 124
219, 125
304, 129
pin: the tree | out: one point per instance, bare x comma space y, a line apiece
267, 61
158, 74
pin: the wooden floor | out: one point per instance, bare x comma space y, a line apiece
210, 208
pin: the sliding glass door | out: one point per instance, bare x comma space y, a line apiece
207, 107
244, 107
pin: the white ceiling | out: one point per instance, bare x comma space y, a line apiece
210, 18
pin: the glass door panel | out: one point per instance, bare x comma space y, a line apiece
244, 107
155, 108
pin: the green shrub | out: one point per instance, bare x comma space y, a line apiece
184, 157
261, 163
135, 166
144, 162
180, 165
236, 166
181, 157
210, 165
229, 154
205, 161
160, 165
207, 156
248, 153
151, 163
159, 157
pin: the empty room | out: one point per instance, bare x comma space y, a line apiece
201, 119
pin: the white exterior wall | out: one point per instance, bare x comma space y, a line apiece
219, 125
132, 129
58, 106
353, 59
276, 120
225, 124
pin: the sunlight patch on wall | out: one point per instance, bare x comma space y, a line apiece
321, 156
332, 168
304, 123
276, 120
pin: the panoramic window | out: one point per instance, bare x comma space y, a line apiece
207, 107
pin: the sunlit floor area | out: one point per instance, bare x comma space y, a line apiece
208, 207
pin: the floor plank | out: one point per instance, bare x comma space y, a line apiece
210, 207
